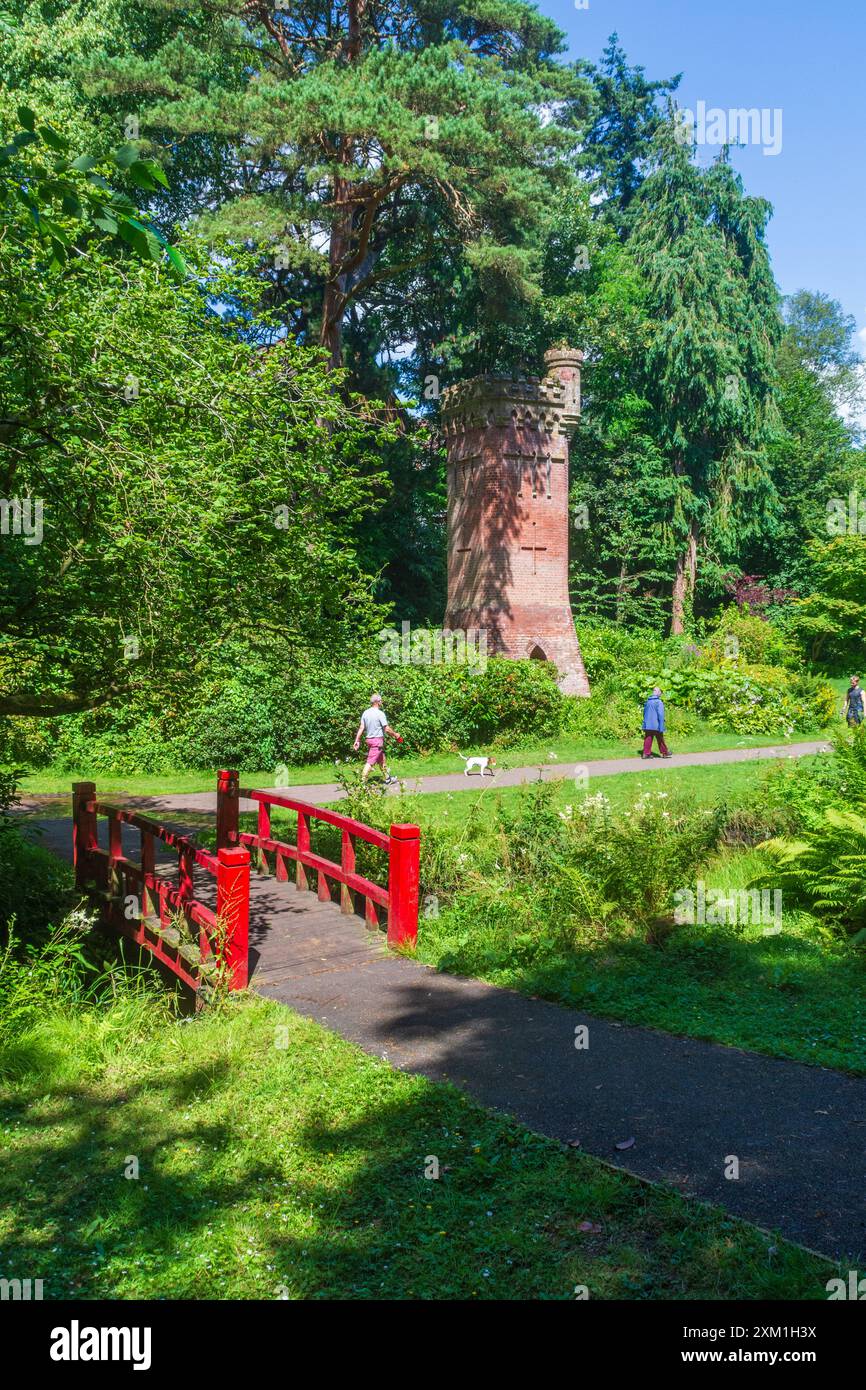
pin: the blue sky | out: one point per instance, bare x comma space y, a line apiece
803, 56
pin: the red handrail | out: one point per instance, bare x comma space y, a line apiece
110, 875
402, 844
121, 884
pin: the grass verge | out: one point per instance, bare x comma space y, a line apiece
287, 1164
560, 749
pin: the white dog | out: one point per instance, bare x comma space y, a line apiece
483, 765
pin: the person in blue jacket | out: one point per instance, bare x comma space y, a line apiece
654, 725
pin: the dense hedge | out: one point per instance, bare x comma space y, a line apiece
256, 719
748, 699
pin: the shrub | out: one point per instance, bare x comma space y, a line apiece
35, 887
611, 716
823, 863
630, 864
756, 639
609, 648
748, 699
256, 718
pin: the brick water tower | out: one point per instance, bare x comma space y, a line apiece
508, 518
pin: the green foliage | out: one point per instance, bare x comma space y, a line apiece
193, 489
612, 649
35, 886
362, 158
258, 715
47, 194
52, 972
625, 868
831, 622
709, 370
824, 863
735, 632
749, 699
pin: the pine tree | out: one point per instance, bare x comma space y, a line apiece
357, 143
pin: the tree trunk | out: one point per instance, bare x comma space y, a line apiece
684, 581
334, 298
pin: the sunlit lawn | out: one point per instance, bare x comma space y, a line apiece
562, 749
298, 1171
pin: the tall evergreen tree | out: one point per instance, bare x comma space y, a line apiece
357, 143
709, 370
627, 114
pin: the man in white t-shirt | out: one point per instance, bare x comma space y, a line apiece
374, 726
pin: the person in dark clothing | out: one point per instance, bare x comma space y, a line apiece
853, 706
654, 725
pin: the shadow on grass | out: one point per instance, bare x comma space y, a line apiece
267, 1173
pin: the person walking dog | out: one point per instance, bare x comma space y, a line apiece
654, 725
374, 726
852, 709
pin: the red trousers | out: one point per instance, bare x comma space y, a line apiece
648, 737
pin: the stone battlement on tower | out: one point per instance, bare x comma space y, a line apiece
551, 402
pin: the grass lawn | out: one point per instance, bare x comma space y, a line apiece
290, 1165
566, 748
798, 992
704, 785
793, 994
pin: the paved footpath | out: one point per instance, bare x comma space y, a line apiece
323, 793
798, 1132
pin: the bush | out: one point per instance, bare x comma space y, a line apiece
627, 866
823, 863
748, 699
256, 718
613, 717
739, 633
35, 888
609, 649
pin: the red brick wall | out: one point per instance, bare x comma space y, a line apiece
508, 519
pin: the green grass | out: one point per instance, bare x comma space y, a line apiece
797, 994
297, 1171
703, 784
566, 748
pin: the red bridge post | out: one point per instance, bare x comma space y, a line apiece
227, 809
233, 911
403, 859
84, 838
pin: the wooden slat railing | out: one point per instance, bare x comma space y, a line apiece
401, 844
142, 904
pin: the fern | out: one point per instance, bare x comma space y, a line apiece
826, 867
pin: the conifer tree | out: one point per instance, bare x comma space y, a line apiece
709, 369
359, 141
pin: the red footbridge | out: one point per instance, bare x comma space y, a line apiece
197, 925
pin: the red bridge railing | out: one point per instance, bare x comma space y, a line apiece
144, 905
402, 844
